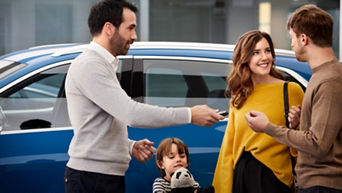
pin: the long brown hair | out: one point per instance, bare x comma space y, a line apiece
239, 81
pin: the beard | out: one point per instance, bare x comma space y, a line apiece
119, 45
301, 54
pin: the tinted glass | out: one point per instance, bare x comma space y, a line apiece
34, 102
47, 87
37, 102
173, 83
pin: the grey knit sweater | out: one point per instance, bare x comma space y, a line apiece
100, 111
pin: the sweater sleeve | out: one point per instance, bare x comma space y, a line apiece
223, 177
131, 144
325, 123
101, 86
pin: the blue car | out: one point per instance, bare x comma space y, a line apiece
35, 130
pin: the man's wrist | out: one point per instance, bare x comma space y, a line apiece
131, 145
270, 129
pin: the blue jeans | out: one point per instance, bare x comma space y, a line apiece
319, 189
89, 182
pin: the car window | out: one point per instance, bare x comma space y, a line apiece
175, 83
32, 103
37, 102
47, 86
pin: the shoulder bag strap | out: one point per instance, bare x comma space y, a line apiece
286, 106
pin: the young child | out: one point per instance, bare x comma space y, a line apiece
172, 154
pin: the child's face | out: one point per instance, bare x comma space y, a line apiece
172, 161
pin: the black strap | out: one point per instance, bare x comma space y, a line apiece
286, 107
286, 104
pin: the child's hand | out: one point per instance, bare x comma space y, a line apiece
143, 150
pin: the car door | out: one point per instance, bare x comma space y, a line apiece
179, 82
33, 154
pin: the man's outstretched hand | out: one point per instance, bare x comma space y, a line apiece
202, 115
258, 121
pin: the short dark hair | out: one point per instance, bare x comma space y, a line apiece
164, 149
313, 22
107, 11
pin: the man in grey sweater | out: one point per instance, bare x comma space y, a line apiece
100, 110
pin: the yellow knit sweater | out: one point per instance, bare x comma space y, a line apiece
267, 98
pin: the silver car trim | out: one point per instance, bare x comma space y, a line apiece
184, 58
13, 112
35, 130
295, 75
183, 45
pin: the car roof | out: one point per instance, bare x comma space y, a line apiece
138, 48
23, 56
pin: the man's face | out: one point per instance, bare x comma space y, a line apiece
125, 34
297, 47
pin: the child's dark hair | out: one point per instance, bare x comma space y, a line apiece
164, 149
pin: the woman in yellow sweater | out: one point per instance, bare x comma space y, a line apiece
251, 162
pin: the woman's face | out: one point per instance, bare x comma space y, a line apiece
261, 61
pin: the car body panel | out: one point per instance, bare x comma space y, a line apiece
33, 161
